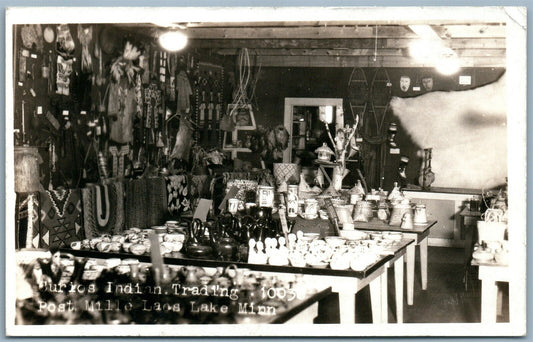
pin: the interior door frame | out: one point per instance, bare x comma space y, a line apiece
291, 102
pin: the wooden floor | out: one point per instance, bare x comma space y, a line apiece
447, 299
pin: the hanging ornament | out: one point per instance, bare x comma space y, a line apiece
49, 35
85, 35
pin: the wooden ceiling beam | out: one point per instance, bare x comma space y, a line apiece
474, 43
314, 52
355, 52
301, 32
287, 43
363, 43
471, 31
327, 32
366, 61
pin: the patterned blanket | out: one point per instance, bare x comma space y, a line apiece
60, 218
178, 194
103, 209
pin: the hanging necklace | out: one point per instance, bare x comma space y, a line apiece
59, 196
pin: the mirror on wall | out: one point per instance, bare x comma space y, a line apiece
304, 119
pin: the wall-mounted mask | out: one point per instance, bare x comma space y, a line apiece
405, 83
427, 82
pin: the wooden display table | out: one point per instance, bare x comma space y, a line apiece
490, 273
419, 233
469, 236
344, 282
297, 312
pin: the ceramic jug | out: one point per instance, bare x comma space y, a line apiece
344, 212
223, 242
420, 214
197, 246
363, 211
383, 211
246, 228
398, 212
191, 274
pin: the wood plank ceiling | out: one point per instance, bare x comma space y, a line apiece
343, 44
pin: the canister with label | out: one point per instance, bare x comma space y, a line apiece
266, 196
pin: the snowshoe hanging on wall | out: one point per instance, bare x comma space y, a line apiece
380, 96
358, 92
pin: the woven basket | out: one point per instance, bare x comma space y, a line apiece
27, 160
286, 172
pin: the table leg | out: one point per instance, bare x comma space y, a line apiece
410, 259
468, 253
469, 236
398, 286
375, 299
325, 173
347, 307
424, 262
384, 298
488, 301
499, 303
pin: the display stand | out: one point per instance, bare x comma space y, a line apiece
243, 110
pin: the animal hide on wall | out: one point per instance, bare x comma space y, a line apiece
467, 131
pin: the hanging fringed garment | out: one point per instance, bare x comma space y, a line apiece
121, 108
85, 35
184, 140
183, 88
119, 159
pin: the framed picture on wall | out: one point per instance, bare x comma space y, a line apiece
243, 116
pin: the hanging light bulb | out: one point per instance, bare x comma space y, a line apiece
447, 63
431, 52
173, 40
